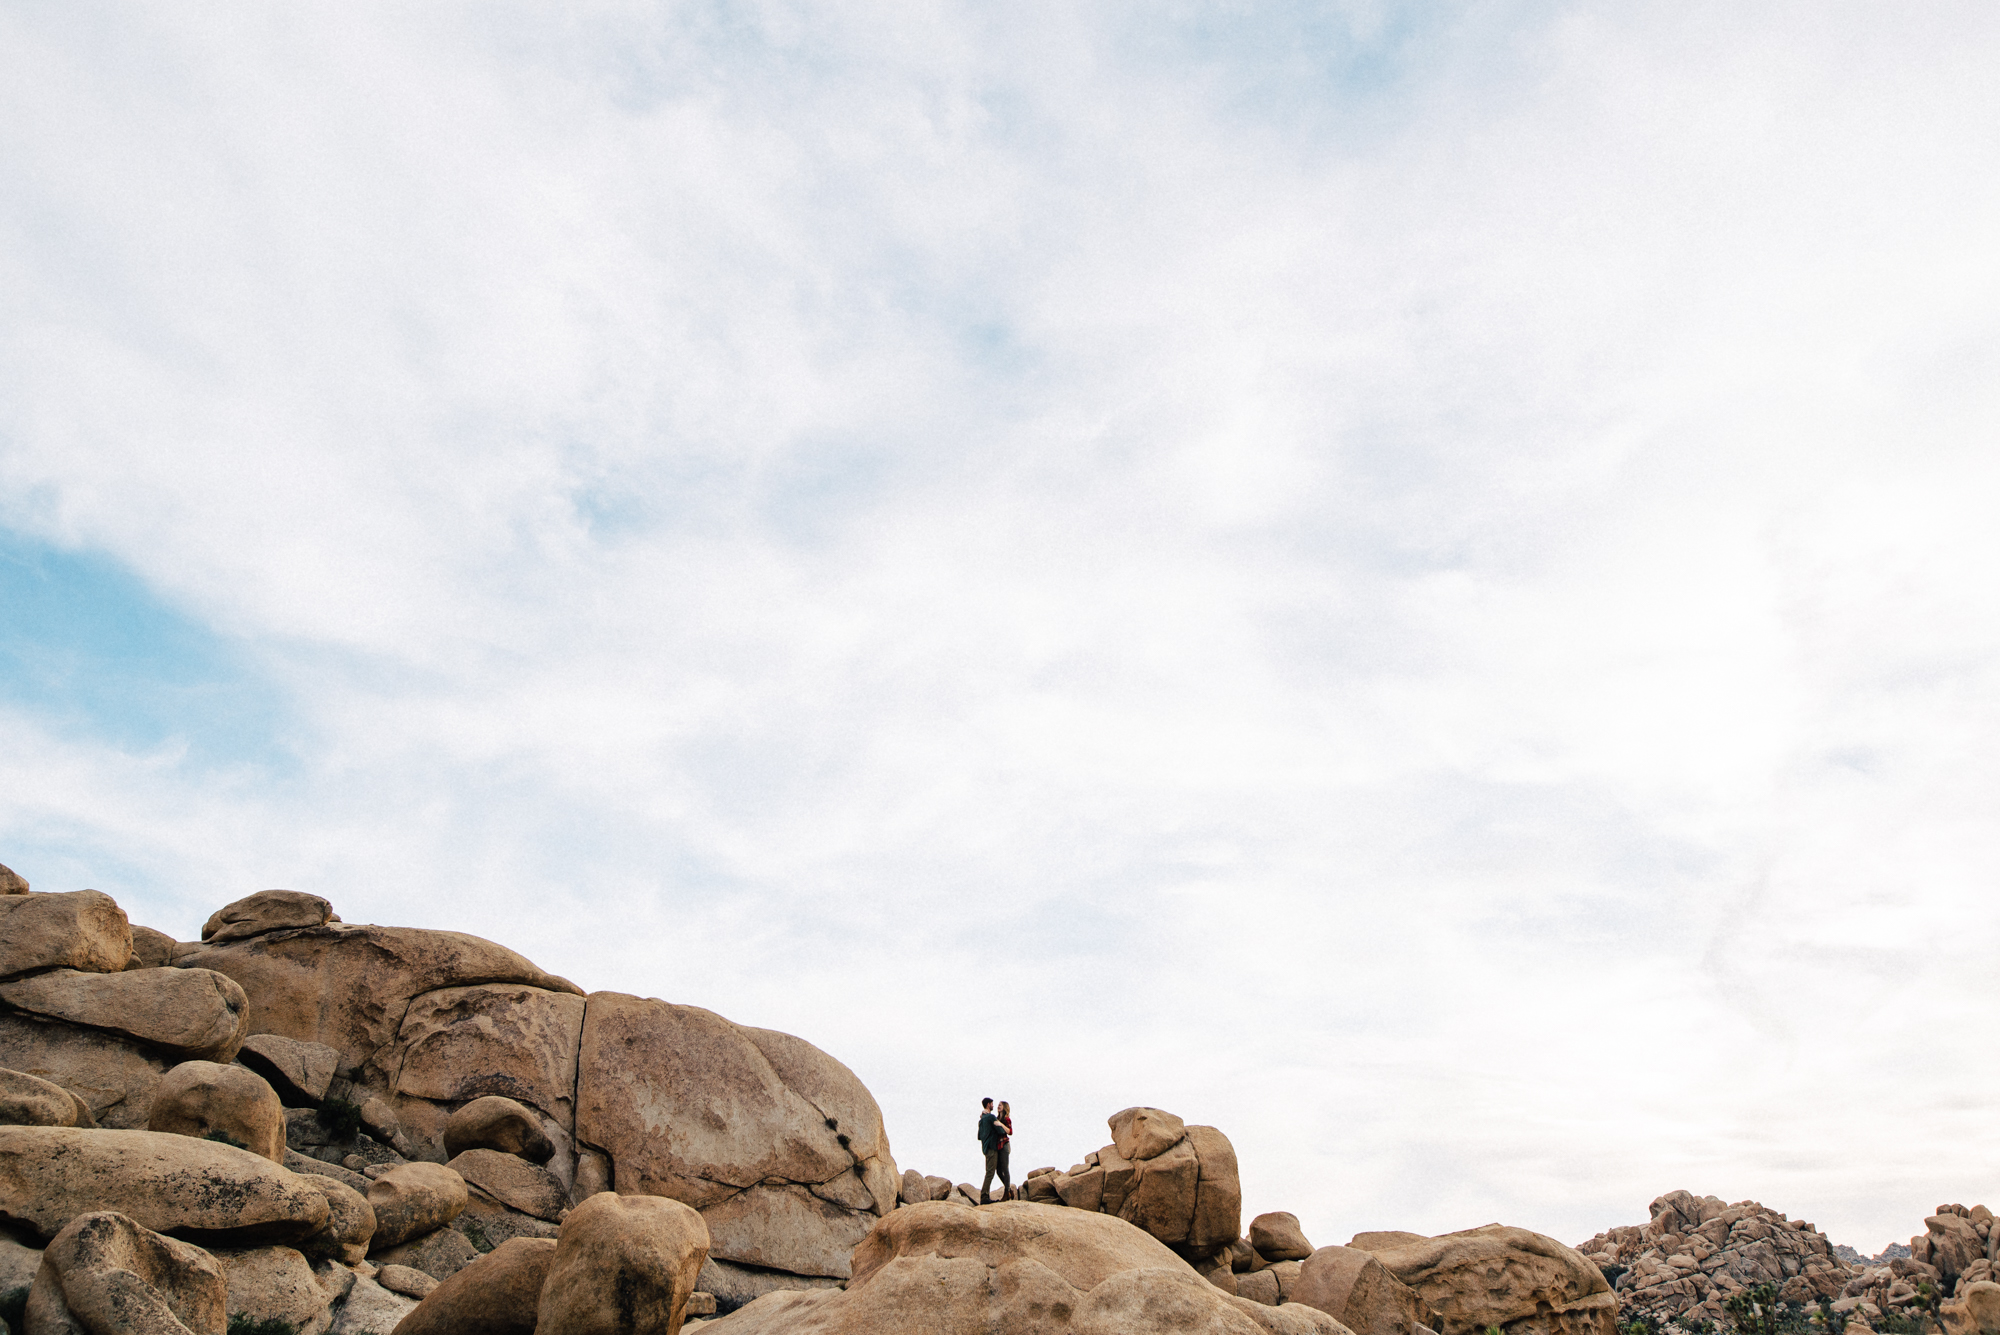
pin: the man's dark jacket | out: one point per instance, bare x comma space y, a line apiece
989, 1132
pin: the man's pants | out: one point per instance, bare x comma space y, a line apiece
996, 1162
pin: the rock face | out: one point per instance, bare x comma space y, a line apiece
498, 1294
115, 1077
226, 1103
1506, 1277
514, 1183
1358, 1290
192, 1188
943, 1269
1975, 1311
82, 930
265, 911
350, 1222
1697, 1251
623, 1266
777, 1144
151, 949
183, 1013
1184, 1192
107, 1275
27, 1100
11, 882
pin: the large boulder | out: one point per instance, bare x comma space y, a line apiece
514, 1183
151, 948
1277, 1236
300, 1072
106, 1274
350, 1222
370, 1308
498, 1294
84, 929
27, 1100
227, 1103
777, 1144
195, 1189
348, 986
1022, 1268
494, 1122
1955, 1245
1352, 1286
440, 1253
115, 1077
412, 1199
623, 1265
1522, 1282
275, 1284
11, 882
265, 911
1145, 1133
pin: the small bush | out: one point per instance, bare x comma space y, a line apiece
223, 1137
14, 1308
239, 1324
341, 1118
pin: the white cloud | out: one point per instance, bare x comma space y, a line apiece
1416, 592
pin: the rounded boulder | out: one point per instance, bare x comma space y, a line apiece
230, 1104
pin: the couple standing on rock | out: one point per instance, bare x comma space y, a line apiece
996, 1133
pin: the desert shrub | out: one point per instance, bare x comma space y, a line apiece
341, 1118
14, 1307
223, 1137
240, 1324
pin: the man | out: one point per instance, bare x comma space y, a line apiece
993, 1140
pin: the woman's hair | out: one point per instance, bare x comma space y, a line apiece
1005, 1107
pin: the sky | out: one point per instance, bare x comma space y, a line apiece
1414, 582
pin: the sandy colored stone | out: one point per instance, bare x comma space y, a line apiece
347, 986
114, 1076
1358, 1290
275, 1284
410, 1283
1291, 1319
1385, 1239
83, 930
498, 1294
1161, 1196
1145, 1133
370, 1309
265, 911
412, 1199
623, 1265
1277, 1237
513, 1182
350, 1222
182, 1013
11, 882
912, 1188
106, 1274
1975, 1311
440, 1253
692, 1107
1520, 1281
511, 1040
1259, 1287
786, 1228
1161, 1302
28, 1100
151, 949
735, 1285
207, 1100
301, 1163
1082, 1248
50, 1175
299, 1071
1218, 1206
495, 1122
18, 1264
1955, 1245
487, 1223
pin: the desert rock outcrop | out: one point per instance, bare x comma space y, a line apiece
1184, 1190
83, 930
1351, 1285
181, 1013
623, 1266
27, 1100
1697, 1251
498, 1294
494, 1122
231, 1104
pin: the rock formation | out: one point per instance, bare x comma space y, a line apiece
1696, 1252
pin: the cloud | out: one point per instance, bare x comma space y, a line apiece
1408, 584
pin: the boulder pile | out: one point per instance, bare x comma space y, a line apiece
1952, 1256
1696, 1252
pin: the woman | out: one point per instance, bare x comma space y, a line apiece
1004, 1120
